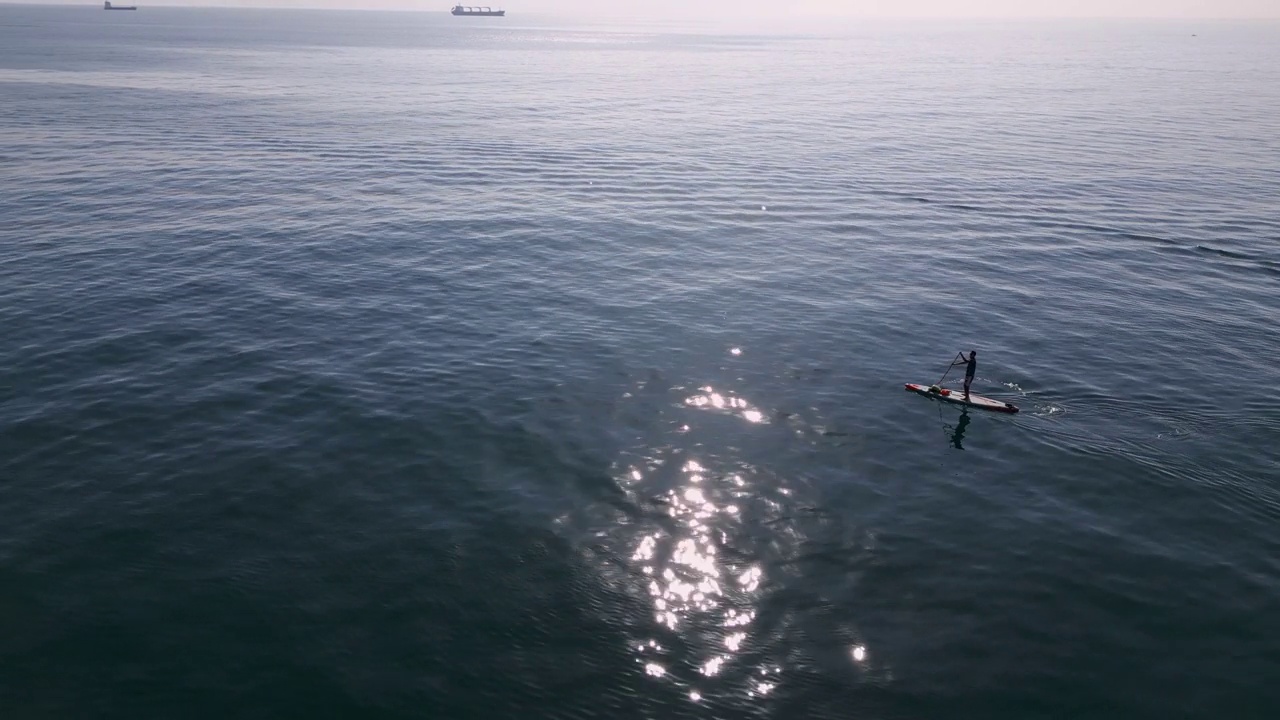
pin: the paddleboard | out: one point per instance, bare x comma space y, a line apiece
957, 397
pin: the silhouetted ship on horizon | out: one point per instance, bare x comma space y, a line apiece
109, 6
480, 11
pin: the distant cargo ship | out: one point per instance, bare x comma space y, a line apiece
109, 6
481, 11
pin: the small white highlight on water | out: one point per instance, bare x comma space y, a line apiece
734, 641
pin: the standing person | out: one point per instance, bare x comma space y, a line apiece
972, 367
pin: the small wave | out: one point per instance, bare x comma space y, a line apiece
1233, 254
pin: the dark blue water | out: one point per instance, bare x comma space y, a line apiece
376, 365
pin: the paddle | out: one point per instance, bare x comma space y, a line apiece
953, 364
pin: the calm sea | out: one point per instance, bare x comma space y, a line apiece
405, 366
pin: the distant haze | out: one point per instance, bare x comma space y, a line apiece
792, 8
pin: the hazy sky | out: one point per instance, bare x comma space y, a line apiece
889, 8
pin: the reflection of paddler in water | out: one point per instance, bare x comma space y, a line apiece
958, 435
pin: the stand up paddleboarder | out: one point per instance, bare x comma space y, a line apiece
972, 367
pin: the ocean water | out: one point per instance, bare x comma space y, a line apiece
398, 365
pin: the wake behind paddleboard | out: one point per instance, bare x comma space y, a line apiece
957, 397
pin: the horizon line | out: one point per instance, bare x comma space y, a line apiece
622, 16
